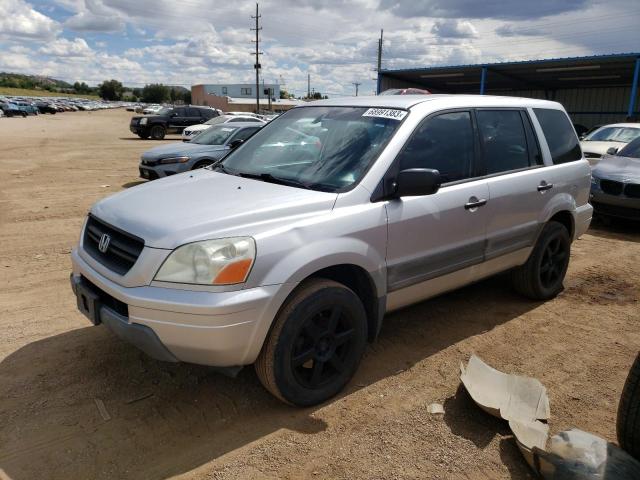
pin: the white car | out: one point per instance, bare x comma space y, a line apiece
608, 139
151, 109
190, 132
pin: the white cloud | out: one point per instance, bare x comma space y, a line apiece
95, 16
454, 29
62, 47
19, 19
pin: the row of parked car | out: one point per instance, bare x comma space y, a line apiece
24, 106
188, 120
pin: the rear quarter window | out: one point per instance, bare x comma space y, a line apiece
561, 138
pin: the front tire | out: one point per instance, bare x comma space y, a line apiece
158, 132
628, 424
542, 276
202, 164
316, 344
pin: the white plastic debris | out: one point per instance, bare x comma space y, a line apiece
530, 435
523, 401
510, 397
574, 454
435, 408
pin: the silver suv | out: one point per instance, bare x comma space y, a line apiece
288, 253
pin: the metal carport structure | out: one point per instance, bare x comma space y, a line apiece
594, 90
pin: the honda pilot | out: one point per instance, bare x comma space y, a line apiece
288, 253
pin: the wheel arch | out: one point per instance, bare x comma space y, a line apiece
361, 282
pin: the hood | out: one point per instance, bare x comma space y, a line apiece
623, 169
599, 147
180, 149
195, 128
203, 204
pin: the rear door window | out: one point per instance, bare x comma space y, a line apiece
193, 112
504, 140
444, 142
561, 137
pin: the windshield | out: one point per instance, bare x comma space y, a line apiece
164, 110
614, 134
631, 150
214, 135
322, 148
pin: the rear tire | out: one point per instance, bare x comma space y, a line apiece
158, 132
542, 276
316, 344
628, 424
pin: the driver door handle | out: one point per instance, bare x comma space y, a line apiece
544, 186
474, 203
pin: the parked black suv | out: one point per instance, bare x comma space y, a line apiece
170, 120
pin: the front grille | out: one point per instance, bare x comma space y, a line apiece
616, 211
135, 122
592, 155
123, 249
632, 190
611, 187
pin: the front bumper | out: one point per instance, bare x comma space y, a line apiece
139, 129
153, 172
221, 329
615, 205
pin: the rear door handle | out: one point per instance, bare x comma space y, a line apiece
474, 203
544, 186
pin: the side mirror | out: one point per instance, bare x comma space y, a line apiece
236, 143
174, 114
417, 182
612, 151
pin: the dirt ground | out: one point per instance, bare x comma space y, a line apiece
185, 421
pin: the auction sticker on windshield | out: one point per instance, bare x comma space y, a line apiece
385, 113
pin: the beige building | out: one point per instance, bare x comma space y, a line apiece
204, 95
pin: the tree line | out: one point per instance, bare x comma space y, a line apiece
152, 93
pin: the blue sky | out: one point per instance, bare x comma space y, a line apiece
208, 41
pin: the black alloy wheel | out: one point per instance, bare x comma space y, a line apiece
321, 351
554, 261
542, 276
315, 345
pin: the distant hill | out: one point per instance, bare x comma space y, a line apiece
34, 82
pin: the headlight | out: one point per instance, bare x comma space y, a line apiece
211, 262
164, 161
143, 120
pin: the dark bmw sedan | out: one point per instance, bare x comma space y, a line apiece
615, 183
203, 150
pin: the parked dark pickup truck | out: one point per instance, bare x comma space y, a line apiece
170, 120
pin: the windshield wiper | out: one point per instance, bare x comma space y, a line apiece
267, 177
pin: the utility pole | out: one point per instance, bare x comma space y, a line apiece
380, 52
308, 85
258, 53
380, 44
357, 84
